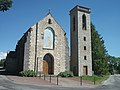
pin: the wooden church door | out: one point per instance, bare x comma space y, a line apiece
45, 67
85, 71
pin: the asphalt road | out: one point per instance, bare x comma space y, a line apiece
113, 83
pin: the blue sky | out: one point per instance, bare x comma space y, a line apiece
105, 15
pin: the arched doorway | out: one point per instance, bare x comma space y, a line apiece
48, 64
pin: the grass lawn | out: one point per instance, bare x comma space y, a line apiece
98, 79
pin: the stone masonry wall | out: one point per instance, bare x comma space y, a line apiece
35, 43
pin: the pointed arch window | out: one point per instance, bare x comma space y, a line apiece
84, 22
48, 38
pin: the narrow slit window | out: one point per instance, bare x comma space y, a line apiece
74, 23
84, 47
85, 57
84, 38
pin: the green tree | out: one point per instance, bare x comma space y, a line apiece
2, 61
114, 64
99, 53
5, 5
118, 67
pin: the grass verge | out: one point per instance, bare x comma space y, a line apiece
98, 79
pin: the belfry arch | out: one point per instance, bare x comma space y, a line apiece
84, 21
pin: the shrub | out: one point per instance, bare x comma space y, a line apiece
28, 73
66, 74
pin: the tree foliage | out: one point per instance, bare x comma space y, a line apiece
114, 64
99, 53
2, 61
102, 62
5, 5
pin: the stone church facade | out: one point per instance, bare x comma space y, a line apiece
44, 47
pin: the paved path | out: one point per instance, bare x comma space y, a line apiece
28, 80
64, 82
113, 83
7, 83
10, 83
69, 82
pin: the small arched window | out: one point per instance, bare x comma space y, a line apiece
48, 38
49, 21
84, 22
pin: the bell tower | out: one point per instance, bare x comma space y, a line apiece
80, 41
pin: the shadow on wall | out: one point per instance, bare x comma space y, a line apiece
10, 65
4, 72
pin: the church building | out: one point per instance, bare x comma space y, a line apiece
44, 46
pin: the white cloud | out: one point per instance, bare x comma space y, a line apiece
3, 55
